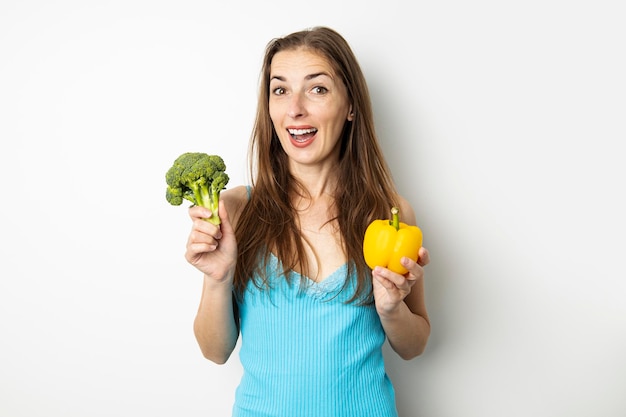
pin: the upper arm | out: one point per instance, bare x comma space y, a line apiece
407, 215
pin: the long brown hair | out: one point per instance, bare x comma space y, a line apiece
365, 191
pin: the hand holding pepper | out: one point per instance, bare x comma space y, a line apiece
387, 241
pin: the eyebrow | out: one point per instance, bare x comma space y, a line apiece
308, 77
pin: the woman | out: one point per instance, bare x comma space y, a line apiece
286, 266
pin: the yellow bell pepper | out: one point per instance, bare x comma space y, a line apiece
387, 241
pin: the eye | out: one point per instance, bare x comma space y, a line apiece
278, 91
319, 90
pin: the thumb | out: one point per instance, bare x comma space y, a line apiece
226, 227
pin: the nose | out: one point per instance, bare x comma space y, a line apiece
296, 106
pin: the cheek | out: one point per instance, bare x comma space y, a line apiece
275, 114
339, 122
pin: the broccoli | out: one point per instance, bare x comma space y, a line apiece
199, 178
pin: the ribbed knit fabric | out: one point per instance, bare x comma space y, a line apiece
309, 354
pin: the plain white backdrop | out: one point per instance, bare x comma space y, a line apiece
503, 123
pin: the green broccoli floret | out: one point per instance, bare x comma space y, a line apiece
199, 178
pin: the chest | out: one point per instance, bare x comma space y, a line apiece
323, 247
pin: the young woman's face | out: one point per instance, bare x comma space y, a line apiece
308, 106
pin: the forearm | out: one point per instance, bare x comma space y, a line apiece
401, 306
215, 325
406, 331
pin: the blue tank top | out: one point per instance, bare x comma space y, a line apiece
306, 353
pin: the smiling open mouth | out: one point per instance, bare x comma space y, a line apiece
302, 135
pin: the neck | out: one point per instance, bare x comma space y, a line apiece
316, 183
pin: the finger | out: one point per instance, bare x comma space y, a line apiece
423, 257
204, 234
416, 271
396, 280
384, 282
195, 249
200, 225
199, 212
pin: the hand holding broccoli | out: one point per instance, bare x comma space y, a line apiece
199, 178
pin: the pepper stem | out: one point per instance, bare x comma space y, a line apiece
395, 218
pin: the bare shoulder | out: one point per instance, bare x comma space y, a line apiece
235, 200
407, 214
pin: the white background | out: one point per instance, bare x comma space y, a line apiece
504, 126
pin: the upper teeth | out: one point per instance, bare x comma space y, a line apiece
301, 131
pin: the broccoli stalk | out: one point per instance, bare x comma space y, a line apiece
199, 178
